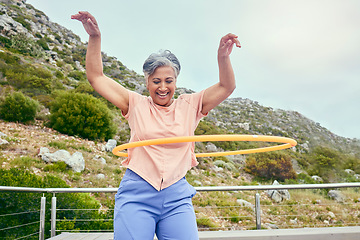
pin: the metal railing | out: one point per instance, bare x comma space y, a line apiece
256, 214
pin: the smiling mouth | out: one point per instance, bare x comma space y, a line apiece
163, 95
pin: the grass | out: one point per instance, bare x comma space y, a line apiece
67, 144
56, 167
26, 162
207, 223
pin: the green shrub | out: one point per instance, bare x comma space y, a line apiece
44, 100
42, 42
85, 87
58, 145
326, 163
26, 46
226, 165
56, 167
18, 108
28, 78
83, 115
21, 19
206, 223
9, 58
271, 165
57, 37
24, 80
78, 75
59, 74
25, 162
13, 202
5, 42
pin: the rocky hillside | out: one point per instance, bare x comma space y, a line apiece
53, 45
240, 115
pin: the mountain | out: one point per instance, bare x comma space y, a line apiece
248, 116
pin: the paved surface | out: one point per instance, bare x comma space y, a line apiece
335, 233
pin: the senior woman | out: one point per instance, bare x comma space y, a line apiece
154, 196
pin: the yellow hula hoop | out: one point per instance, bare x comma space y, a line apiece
287, 143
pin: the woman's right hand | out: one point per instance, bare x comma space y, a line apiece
89, 23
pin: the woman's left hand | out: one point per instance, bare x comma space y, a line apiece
226, 44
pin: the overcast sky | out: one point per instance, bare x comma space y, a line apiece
296, 55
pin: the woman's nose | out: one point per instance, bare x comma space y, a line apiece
162, 86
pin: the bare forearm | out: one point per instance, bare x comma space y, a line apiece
226, 74
94, 66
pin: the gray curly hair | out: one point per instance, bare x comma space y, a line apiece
163, 58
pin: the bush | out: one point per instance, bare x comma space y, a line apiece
21, 19
26, 46
56, 167
24, 80
85, 87
44, 100
330, 164
270, 166
38, 80
13, 202
42, 43
9, 58
78, 75
83, 115
5, 42
18, 108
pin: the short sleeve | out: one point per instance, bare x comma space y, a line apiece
198, 100
134, 99
195, 100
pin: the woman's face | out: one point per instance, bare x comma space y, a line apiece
161, 85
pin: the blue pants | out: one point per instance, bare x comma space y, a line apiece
141, 210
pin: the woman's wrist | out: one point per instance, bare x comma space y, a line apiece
95, 36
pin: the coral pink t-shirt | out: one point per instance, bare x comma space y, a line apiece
162, 165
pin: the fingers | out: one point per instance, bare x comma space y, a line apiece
229, 39
88, 21
83, 17
227, 43
237, 42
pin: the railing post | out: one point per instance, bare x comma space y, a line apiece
42, 218
257, 211
53, 216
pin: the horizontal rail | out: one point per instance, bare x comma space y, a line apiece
32, 234
19, 213
22, 225
200, 189
22, 189
84, 220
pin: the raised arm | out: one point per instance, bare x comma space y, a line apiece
217, 93
105, 86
